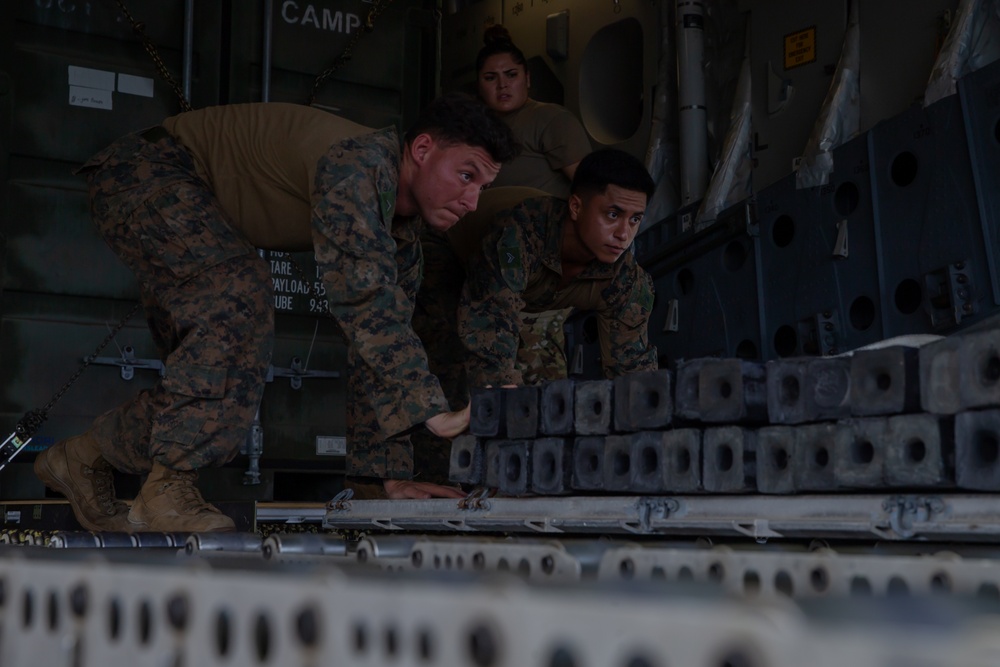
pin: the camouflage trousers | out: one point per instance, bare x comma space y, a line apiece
540, 356
208, 301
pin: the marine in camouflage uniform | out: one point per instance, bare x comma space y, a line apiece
186, 206
505, 261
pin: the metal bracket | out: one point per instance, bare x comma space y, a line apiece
905, 511
673, 316
687, 221
576, 364
478, 499
820, 334
840, 246
296, 372
253, 447
759, 529
951, 294
648, 509
128, 363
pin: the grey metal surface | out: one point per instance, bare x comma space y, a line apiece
933, 264
90, 612
707, 304
881, 516
818, 262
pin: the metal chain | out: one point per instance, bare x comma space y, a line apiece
139, 29
33, 419
378, 6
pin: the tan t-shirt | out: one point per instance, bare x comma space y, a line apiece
260, 160
551, 138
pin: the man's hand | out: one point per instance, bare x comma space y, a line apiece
398, 489
449, 424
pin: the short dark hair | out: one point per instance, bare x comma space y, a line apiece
458, 118
610, 166
497, 40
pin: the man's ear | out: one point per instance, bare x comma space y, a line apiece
419, 148
575, 205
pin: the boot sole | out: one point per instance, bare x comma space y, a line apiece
142, 526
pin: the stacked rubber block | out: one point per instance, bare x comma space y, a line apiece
894, 417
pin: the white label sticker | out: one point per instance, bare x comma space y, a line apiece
90, 97
331, 445
91, 78
13, 516
135, 85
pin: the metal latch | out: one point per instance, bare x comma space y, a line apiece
906, 511
648, 509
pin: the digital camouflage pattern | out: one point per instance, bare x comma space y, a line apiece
208, 298
371, 266
208, 301
520, 271
541, 354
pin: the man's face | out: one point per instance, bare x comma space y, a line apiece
503, 84
449, 180
606, 223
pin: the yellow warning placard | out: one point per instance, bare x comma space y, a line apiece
800, 47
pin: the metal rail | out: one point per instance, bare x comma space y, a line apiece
963, 518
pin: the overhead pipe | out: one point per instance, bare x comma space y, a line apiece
693, 113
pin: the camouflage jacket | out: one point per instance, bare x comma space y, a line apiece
370, 261
520, 270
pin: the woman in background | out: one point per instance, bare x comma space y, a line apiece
552, 139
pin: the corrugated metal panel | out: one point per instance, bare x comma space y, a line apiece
385, 81
73, 77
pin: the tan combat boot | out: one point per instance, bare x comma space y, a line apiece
75, 468
170, 502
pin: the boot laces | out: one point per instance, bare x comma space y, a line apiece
179, 485
104, 487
